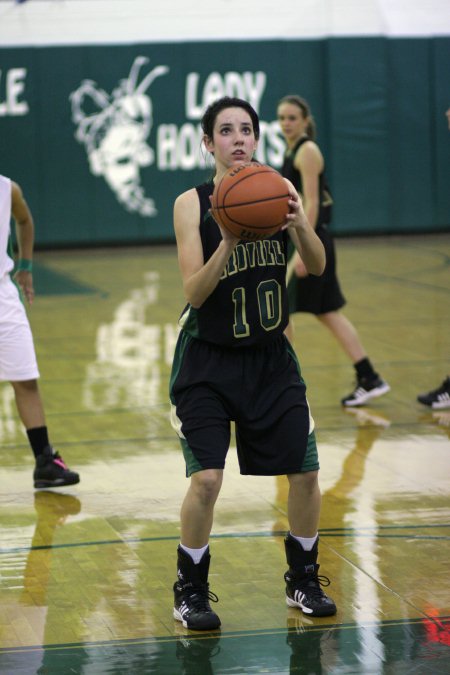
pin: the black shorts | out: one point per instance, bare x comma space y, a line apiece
318, 295
260, 389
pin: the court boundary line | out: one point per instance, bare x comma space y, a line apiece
325, 533
227, 634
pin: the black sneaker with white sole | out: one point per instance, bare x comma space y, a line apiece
366, 389
306, 593
437, 398
192, 606
192, 594
303, 584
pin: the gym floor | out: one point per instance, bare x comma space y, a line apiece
86, 573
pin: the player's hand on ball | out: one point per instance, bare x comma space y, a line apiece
226, 234
296, 217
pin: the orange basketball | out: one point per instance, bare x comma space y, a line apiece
251, 201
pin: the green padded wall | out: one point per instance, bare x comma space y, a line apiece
103, 138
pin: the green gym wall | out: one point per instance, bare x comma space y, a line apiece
103, 138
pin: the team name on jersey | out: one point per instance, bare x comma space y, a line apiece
250, 254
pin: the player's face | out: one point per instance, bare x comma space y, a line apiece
233, 139
292, 122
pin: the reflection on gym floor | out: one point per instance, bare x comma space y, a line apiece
86, 573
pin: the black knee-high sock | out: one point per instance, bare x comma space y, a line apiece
38, 438
364, 369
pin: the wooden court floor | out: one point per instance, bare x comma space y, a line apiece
86, 574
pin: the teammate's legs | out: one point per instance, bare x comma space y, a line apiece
368, 382
50, 469
29, 403
18, 365
345, 333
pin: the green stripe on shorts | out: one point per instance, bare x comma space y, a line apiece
311, 461
192, 465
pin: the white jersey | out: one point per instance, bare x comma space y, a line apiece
6, 262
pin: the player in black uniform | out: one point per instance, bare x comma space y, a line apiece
233, 363
322, 296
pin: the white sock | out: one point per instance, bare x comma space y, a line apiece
195, 553
306, 542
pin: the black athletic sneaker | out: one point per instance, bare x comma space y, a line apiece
192, 594
437, 398
306, 593
365, 390
51, 471
303, 584
192, 606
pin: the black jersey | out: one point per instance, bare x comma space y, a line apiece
291, 173
249, 305
316, 295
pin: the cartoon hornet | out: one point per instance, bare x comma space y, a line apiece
115, 135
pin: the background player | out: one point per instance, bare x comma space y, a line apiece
304, 166
17, 355
440, 397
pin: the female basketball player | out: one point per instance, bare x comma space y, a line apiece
304, 166
233, 363
17, 356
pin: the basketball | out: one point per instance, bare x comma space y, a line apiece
251, 201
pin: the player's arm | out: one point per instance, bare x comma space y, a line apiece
25, 239
309, 162
199, 279
304, 237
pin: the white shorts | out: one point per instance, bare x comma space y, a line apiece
17, 355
